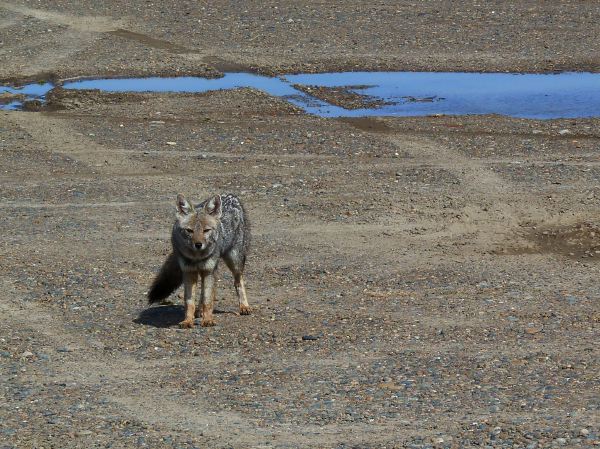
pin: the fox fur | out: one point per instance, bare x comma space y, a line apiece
218, 228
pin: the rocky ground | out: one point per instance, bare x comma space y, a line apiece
416, 282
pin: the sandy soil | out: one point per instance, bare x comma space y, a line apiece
417, 283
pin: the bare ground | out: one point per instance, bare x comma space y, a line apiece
422, 282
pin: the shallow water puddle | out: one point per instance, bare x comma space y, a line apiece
12, 98
362, 94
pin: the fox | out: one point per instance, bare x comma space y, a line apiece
217, 228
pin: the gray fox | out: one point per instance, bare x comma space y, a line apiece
202, 235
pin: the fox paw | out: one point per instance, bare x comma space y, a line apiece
245, 310
185, 324
207, 322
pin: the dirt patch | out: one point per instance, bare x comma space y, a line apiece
580, 241
345, 97
577, 241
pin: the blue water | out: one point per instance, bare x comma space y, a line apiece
536, 96
35, 91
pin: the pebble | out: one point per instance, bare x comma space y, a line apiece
534, 329
309, 337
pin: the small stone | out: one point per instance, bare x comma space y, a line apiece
561, 441
534, 329
572, 300
27, 354
172, 143
584, 432
309, 337
390, 386
563, 132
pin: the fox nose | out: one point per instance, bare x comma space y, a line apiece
198, 245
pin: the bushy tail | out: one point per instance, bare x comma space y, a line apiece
166, 281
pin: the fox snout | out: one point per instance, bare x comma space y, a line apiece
199, 245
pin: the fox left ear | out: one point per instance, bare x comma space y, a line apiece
213, 206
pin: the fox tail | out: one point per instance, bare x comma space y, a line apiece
166, 281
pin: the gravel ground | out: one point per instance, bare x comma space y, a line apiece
416, 283
80, 38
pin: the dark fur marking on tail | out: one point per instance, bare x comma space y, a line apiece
166, 281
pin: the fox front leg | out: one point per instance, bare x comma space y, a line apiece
208, 299
190, 279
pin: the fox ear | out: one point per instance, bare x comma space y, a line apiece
213, 206
183, 207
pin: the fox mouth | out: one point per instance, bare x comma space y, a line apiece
200, 249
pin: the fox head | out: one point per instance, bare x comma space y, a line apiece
197, 231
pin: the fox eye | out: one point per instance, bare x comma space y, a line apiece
189, 230
207, 230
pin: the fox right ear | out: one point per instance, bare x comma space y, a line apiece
183, 207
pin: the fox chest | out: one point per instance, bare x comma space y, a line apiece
206, 265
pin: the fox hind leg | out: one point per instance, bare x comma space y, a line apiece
240, 289
235, 263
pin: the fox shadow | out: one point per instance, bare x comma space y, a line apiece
161, 316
